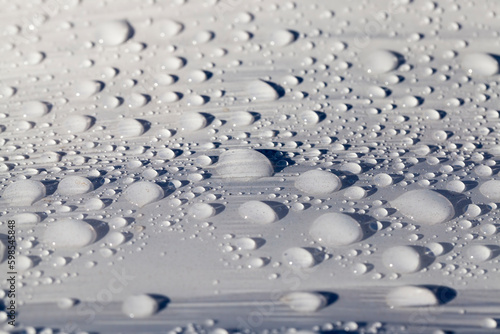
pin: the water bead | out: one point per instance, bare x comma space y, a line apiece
318, 182
335, 229
24, 192
244, 165
142, 193
257, 212
438, 209
69, 233
140, 306
411, 296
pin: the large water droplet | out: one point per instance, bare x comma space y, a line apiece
24, 192
381, 61
74, 185
402, 259
336, 229
114, 32
481, 64
304, 302
438, 209
140, 306
411, 296
318, 182
491, 189
69, 233
244, 165
257, 212
261, 90
298, 257
283, 37
142, 193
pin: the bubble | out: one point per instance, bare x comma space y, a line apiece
261, 90
411, 296
142, 193
78, 123
381, 61
129, 127
140, 306
481, 64
402, 259
74, 185
283, 37
114, 33
438, 209
479, 253
69, 233
201, 211
491, 189
244, 165
24, 192
297, 257
257, 212
304, 302
335, 229
193, 121
318, 182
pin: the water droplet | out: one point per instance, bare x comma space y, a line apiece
142, 193
438, 209
201, 211
402, 259
114, 33
318, 182
411, 296
261, 90
283, 37
129, 127
304, 302
481, 64
336, 229
244, 165
78, 123
69, 233
297, 257
193, 121
24, 192
479, 253
381, 61
257, 212
491, 189
35, 109
74, 185
140, 306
